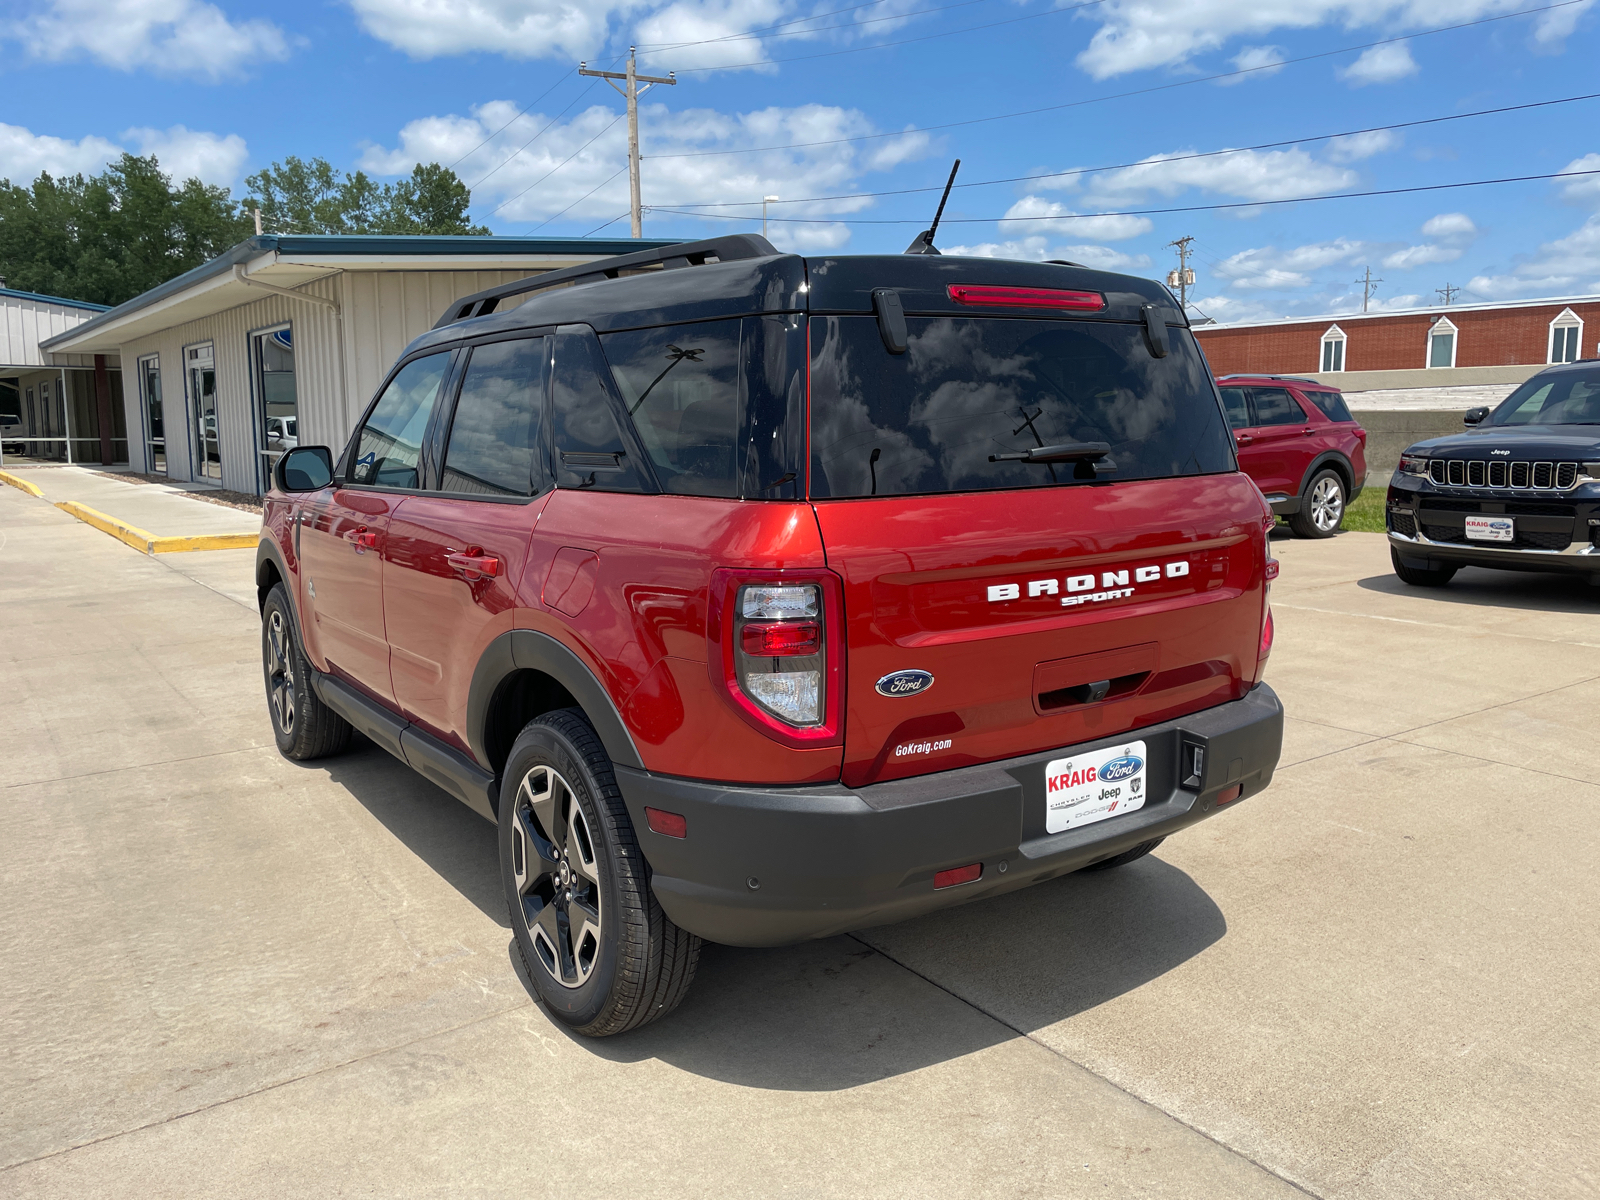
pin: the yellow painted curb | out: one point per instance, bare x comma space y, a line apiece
132, 534
149, 543
22, 484
209, 541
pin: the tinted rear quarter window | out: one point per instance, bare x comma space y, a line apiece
494, 434
584, 420
1332, 405
928, 420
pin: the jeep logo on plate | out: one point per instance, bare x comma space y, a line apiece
904, 683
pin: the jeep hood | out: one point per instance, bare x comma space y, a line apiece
1555, 443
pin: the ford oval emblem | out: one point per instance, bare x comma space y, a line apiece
904, 683
1121, 768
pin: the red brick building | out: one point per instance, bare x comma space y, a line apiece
1517, 333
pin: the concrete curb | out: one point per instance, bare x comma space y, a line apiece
20, 484
149, 543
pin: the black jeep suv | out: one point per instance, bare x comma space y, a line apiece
1518, 490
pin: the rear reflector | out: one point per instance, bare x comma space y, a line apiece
1273, 567
668, 823
1266, 637
1026, 297
1230, 794
781, 640
955, 875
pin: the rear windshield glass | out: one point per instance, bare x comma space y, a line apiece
1567, 398
928, 420
1331, 403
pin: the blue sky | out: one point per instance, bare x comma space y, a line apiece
218, 89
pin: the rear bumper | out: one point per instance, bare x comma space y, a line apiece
770, 866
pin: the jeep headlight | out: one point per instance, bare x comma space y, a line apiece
1413, 464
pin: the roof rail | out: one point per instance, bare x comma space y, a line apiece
1269, 375
680, 254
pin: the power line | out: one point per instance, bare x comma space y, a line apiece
521, 113
531, 141
1031, 112
580, 200
613, 220
1146, 212
1320, 137
558, 166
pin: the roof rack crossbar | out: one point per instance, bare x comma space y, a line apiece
677, 255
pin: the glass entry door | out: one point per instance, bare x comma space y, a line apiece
202, 366
155, 433
273, 355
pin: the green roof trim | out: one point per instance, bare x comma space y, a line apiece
4, 291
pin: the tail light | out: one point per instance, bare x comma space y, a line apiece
780, 651
1266, 639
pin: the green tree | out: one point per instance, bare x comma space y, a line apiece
300, 196
106, 238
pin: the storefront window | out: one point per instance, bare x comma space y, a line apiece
272, 353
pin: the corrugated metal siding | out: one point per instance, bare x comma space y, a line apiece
382, 312
26, 323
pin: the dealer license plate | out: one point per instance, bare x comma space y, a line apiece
1490, 529
1094, 786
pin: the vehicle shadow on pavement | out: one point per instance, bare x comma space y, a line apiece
852, 1010
1481, 588
458, 844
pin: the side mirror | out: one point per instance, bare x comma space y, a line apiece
304, 469
1475, 416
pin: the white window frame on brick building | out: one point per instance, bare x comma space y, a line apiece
1334, 344
1443, 327
1566, 337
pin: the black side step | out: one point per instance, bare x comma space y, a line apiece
425, 754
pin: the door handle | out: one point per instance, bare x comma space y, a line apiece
1243, 439
475, 565
363, 539
1307, 431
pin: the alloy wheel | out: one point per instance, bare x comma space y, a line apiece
280, 671
557, 876
1327, 504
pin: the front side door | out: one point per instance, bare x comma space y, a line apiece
342, 530
454, 555
1274, 449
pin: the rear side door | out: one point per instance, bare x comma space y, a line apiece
997, 607
1336, 430
342, 532
1279, 446
456, 553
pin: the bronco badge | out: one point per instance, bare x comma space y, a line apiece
904, 683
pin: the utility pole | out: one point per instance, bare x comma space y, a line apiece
1369, 287
631, 93
1447, 294
765, 200
1183, 277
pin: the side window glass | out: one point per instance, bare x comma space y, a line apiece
1332, 405
1233, 403
1275, 406
589, 448
681, 388
494, 435
390, 444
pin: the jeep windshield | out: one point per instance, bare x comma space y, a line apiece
1565, 398
970, 389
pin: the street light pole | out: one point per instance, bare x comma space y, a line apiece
765, 200
631, 93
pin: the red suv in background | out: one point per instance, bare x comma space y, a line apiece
1298, 441
761, 598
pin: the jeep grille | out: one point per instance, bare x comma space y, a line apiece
1497, 473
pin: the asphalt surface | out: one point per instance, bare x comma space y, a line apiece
225, 974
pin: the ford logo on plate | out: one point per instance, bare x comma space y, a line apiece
904, 683
1121, 768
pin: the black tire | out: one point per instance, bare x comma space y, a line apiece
601, 955
1422, 576
1127, 856
302, 725
1321, 506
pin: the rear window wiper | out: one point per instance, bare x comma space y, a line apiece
1085, 452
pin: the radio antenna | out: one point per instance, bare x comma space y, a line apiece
923, 242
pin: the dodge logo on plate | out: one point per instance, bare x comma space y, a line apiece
904, 683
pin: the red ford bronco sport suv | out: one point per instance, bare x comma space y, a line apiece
761, 597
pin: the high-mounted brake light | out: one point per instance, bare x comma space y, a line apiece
1026, 297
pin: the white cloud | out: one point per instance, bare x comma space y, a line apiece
1362, 145
183, 153
1270, 269
1418, 256
185, 38
1140, 35
192, 154
1566, 266
531, 185
1057, 218
1449, 225
1452, 233
1039, 249
1249, 175
514, 28
1586, 188
1260, 61
1380, 64
683, 24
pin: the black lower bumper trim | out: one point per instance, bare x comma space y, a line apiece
770, 866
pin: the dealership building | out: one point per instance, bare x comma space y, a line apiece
281, 341
56, 407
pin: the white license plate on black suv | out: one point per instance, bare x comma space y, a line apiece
1490, 529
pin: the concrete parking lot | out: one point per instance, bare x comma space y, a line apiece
225, 974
